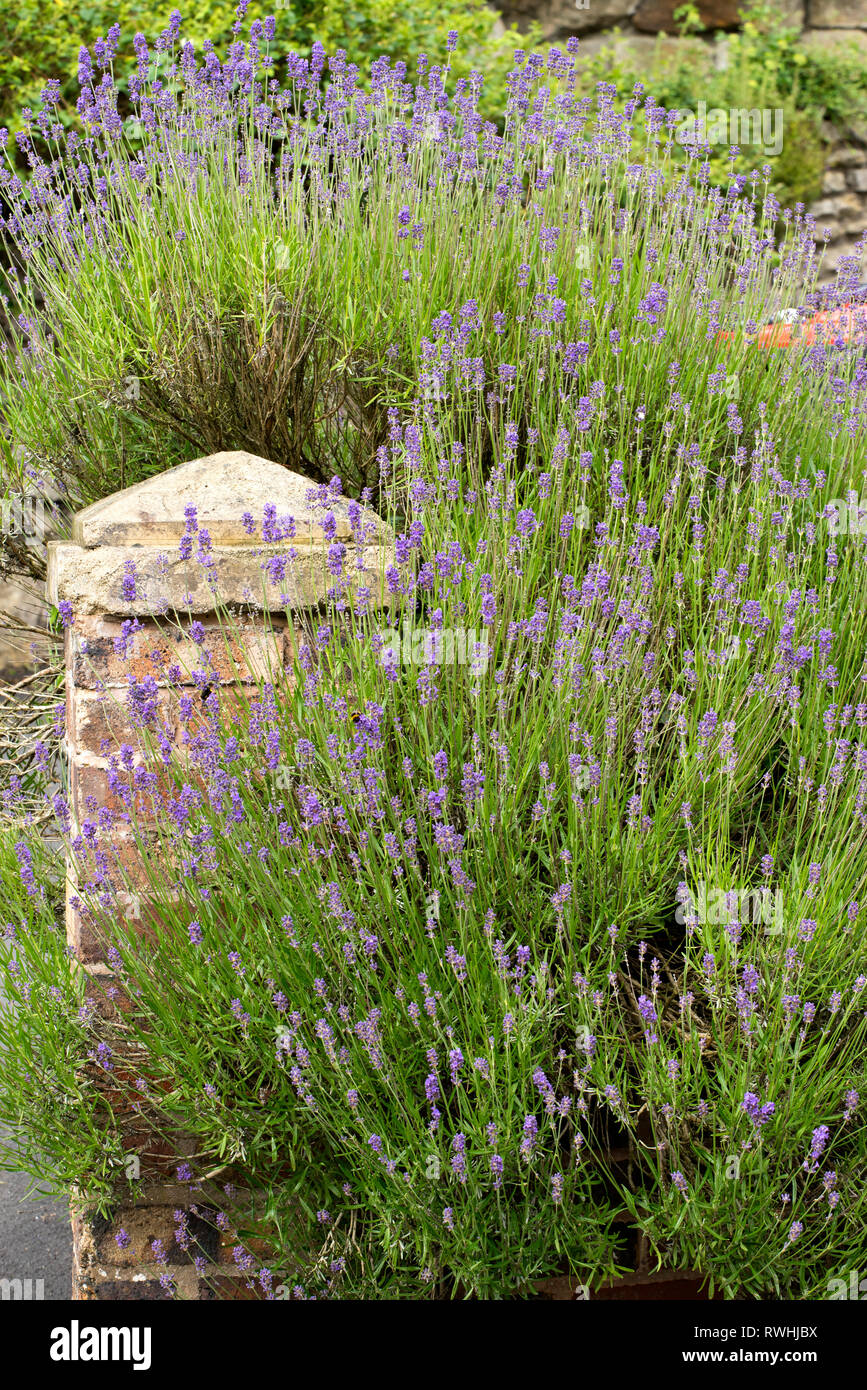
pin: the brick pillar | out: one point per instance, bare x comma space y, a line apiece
143, 526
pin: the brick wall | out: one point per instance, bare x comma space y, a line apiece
143, 525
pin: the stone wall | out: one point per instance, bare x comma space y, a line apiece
824, 21
843, 204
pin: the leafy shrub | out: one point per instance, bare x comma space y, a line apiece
46, 1028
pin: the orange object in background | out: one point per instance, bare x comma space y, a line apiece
830, 326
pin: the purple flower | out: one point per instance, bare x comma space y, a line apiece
648, 1013
127, 587
646, 1009
528, 1142
25, 868
817, 1147
758, 1113
459, 1161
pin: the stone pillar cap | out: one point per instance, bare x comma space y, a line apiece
143, 526
222, 488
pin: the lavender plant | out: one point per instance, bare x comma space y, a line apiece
431, 929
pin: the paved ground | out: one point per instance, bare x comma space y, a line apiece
35, 1239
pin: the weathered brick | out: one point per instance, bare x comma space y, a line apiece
195, 718
92, 926
99, 723
133, 861
108, 998
145, 1224
130, 1290
228, 1242
82, 933
93, 579
134, 795
160, 1156
248, 653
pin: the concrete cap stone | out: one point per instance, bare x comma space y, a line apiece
92, 580
143, 525
222, 488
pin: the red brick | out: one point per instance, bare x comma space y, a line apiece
133, 865
143, 1225
144, 805
127, 1290
82, 933
248, 659
109, 998
100, 723
234, 705
229, 1240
